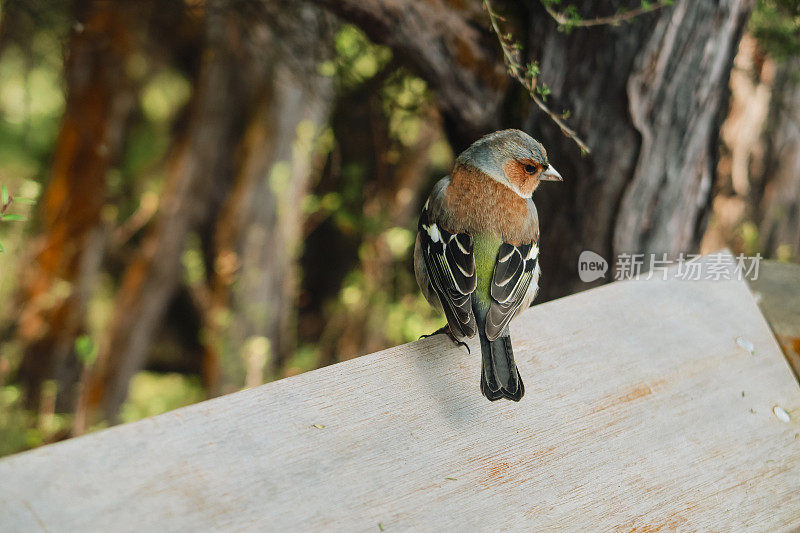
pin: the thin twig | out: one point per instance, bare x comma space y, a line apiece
6, 205
511, 56
611, 20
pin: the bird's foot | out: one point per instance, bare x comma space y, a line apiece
446, 330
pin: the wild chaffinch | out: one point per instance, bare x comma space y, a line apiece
477, 248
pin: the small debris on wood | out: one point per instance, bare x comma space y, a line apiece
781, 413
380, 526
746, 344
319, 426
451, 478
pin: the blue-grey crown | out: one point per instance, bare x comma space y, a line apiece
491, 152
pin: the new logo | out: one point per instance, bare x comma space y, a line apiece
591, 266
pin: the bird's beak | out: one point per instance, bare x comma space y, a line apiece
551, 174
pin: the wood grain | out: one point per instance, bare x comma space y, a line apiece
641, 413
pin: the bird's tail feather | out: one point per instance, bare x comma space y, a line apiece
499, 377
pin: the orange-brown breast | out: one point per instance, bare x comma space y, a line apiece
476, 203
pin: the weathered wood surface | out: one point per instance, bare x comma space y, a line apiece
641, 412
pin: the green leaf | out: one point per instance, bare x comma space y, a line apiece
5, 195
543, 91
532, 69
85, 349
2, 248
11, 218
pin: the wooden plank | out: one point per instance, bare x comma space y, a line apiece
642, 411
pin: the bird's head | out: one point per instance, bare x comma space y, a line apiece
513, 158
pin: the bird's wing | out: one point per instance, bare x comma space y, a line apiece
450, 265
513, 273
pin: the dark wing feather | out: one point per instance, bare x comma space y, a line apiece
511, 280
451, 269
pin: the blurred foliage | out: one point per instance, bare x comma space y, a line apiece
776, 24
20, 429
388, 307
31, 103
32, 100
749, 236
6, 215
357, 59
153, 393
378, 294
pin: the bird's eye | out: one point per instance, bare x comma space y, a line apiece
530, 169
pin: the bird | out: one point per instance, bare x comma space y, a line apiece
476, 254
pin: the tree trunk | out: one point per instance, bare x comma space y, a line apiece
778, 212
230, 123
67, 254
258, 236
757, 200
677, 101
650, 97
647, 96
200, 166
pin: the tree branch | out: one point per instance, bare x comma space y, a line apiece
611, 20
515, 69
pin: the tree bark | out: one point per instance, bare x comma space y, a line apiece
67, 254
648, 97
677, 101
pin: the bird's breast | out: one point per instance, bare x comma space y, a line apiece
477, 204
485, 248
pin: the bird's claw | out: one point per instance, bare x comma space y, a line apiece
461, 343
446, 330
